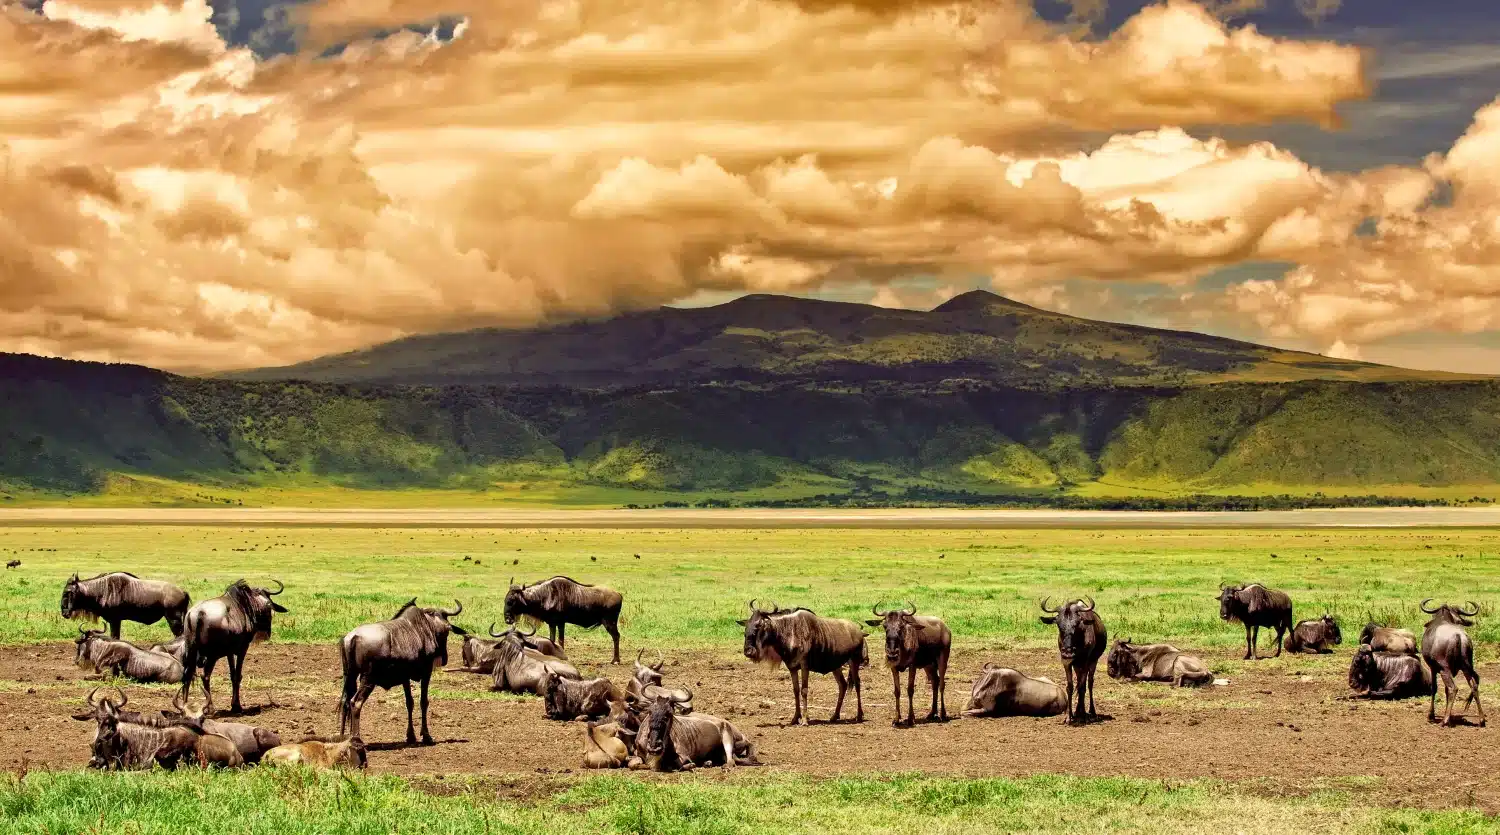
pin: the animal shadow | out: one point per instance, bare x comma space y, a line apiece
404, 745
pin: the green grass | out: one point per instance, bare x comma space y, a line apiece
297, 801
689, 587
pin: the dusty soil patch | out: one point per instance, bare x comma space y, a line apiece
1284, 723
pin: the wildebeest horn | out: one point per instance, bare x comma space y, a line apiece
912, 606
1091, 603
638, 655
279, 590
493, 633
755, 608
456, 612
81, 630
525, 634
678, 699
661, 661
512, 580
124, 699
1423, 606
875, 610
178, 703
1044, 605
1471, 611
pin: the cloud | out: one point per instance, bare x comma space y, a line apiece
173, 201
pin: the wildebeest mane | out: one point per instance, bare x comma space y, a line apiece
410, 635
106, 574
1258, 598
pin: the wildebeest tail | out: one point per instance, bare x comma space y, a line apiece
191, 658
351, 680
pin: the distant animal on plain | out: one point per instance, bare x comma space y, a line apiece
13, 564
1254, 606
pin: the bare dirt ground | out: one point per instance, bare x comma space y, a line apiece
1275, 723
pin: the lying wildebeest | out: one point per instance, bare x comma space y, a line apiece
915, 642
250, 741
1002, 691
602, 748
128, 740
1388, 639
567, 699
406, 648
1157, 662
519, 668
479, 654
1081, 638
808, 643
225, 627
1255, 606
122, 596
93, 650
1316, 636
320, 753
645, 685
1386, 675
670, 741
1447, 649
560, 601
177, 648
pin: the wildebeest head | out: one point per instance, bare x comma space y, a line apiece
900, 632
759, 633
1367, 634
648, 674
433, 621
1229, 602
551, 691
70, 597
1122, 663
1364, 673
109, 746
1070, 621
82, 644
656, 731
1331, 631
256, 603
515, 601
1451, 614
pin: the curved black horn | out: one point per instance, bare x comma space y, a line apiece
524, 634
81, 630
1044, 605
661, 661
1471, 611
1091, 603
1423, 606
493, 633
912, 606
92, 693
124, 699
875, 610
456, 612
640, 653
282, 588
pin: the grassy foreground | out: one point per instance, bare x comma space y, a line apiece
298, 801
686, 588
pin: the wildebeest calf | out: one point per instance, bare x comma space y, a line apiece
602, 748
1081, 638
807, 643
565, 699
669, 741
320, 753
1002, 691
1386, 675
1254, 606
915, 642
1157, 662
1315, 636
1448, 650
1388, 639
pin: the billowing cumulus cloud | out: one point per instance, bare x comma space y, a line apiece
173, 201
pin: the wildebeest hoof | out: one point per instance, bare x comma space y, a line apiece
900, 723
427, 740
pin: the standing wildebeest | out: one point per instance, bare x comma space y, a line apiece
1081, 638
406, 648
1389, 639
250, 741
93, 650
1386, 675
566, 699
1002, 691
560, 601
808, 643
1317, 636
915, 641
225, 627
1255, 606
1447, 649
1157, 662
122, 596
670, 741
320, 753
519, 667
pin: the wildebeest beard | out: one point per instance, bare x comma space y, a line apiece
658, 735
1123, 663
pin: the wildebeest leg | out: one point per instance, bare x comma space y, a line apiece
896, 690
859, 698
356, 707
1432, 702
796, 695
942, 676
208, 693
1448, 690
727, 740
411, 734
1093, 711
552, 632
838, 706
1254, 641
806, 710
911, 692
932, 684
1473, 678
1068, 672
114, 629
236, 663
613, 629
1280, 634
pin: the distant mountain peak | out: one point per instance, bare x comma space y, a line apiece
979, 300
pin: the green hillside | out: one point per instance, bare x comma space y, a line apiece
135, 435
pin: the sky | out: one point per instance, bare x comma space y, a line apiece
201, 185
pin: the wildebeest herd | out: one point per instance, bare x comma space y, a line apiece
646, 724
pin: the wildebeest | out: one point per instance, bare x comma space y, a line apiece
807, 643
519, 668
1081, 638
1255, 606
225, 627
560, 601
646, 684
602, 748
1388, 639
1002, 691
128, 740
670, 741
13, 564
93, 650
915, 642
406, 648
320, 753
1316, 636
1447, 649
122, 596
566, 699
1157, 662
1386, 675
250, 741
479, 654
177, 648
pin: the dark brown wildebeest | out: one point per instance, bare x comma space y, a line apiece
1388, 639
1002, 691
13, 564
1315, 636
1255, 606
670, 741
1081, 639
94, 651
646, 684
122, 596
177, 648
1385, 675
915, 642
250, 741
807, 643
225, 627
320, 753
399, 651
519, 668
1157, 662
567, 699
1447, 649
560, 601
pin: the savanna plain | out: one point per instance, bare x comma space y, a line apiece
1280, 748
